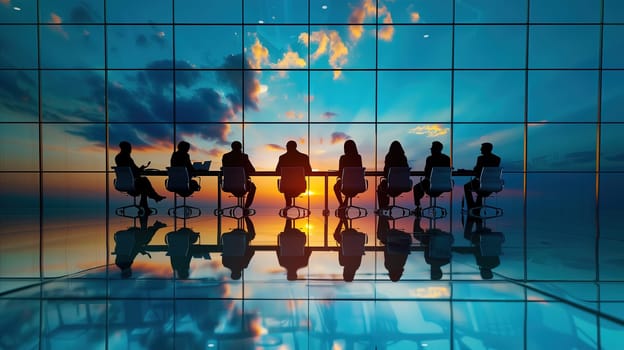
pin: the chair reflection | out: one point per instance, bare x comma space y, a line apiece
292, 252
486, 245
352, 247
397, 247
438, 246
180, 250
132, 241
236, 249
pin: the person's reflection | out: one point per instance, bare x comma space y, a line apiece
180, 250
437, 251
397, 248
292, 252
237, 252
132, 241
351, 248
486, 245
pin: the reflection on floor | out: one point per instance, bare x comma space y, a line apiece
324, 282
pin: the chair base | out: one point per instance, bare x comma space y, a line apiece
300, 212
235, 212
483, 211
389, 212
351, 212
136, 212
433, 211
188, 212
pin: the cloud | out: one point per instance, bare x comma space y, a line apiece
429, 130
328, 43
415, 17
338, 137
293, 115
274, 147
57, 26
290, 59
246, 84
618, 157
259, 55
328, 115
387, 32
369, 9
81, 14
18, 93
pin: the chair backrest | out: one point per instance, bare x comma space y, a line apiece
399, 181
234, 243
491, 179
440, 245
179, 242
491, 243
353, 181
234, 180
124, 179
353, 243
292, 180
291, 243
177, 179
440, 180
124, 242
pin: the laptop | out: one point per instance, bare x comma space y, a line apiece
205, 166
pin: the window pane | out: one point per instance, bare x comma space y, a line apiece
612, 147
564, 46
565, 11
613, 11
72, 46
348, 98
224, 52
82, 100
556, 147
414, 96
139, 46
19, 147
475, 91
416, 11
491, 11
612, 96
563, 96
507, 139
201, 11
430, 47
335, 47
283, 96
139, 11
490, 46
613, 47
70, 147
276, 11
276, 47
18, 12
145, 96
19, 99
71, 11
19, 46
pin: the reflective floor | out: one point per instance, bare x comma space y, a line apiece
547, 274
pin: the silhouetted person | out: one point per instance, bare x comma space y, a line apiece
142, 184
477, 233
436, 159
350, 158
236, 157
397, 248
179, 249
292, 252
237, 258
487, 158
351, 249
394, 158
132, 241
182, 158
293, 158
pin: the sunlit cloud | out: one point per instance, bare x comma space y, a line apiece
415, 17
274, 147
294, 115
368, 9
387, 32
429, 130
328, 115
338, 137
5, 2
56, 25
259, 55
328, 43
290, 59
498, 137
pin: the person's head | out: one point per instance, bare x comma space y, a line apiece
237, 146
436, 147
350, 148
184, 146
396, 148
291, 146
125, 146
486, 148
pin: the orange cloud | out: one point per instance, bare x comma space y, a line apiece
274, 147
369, 9
330, 43
294, 115
259, 55
429, 130
415, 17
56, 25
387, 32
290, 59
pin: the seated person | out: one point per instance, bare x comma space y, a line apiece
141, 183
436, 159
293, 158
236, 157
394, 158
350, 158
487, 158
181, 158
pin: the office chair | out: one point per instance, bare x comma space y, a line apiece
124, 182
292, 183
353, 182
235, 182
398, 182
490, 182
440, 181
179, 182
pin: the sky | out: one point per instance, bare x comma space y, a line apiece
361, 70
